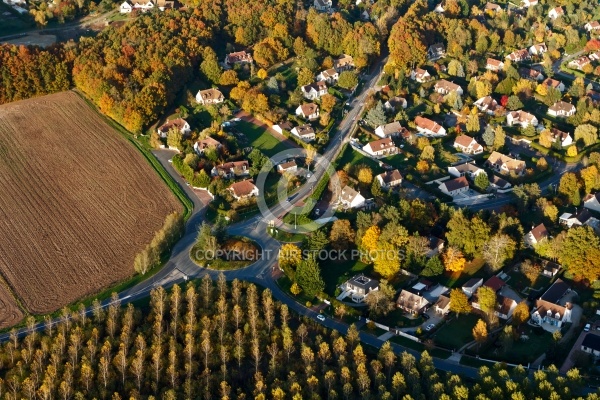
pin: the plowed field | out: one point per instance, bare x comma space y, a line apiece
77, 201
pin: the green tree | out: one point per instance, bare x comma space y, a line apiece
348, 80
376, 116
514, 103
433, 267
569, 187
482, 181
489, 135
209, 66
580, 253
587, 133
308, 276
499, 137
428, 153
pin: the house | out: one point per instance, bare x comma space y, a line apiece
435, 246
238, 57
179, 123
442, 305
580, 218
556, 12
550, 269
305, 132
380, 148
495, 283
494, 65
471, 286
592, 202
283, 127
591, 344
314, 90
579, 63
231, 169
427, 127
436, 51
467, 169
323, 5
454, 187
289, 166
592, 26
358, 288
505, 307
210, 96
330, 76
595, 56
466, 144
594, 95
393, 129
137, 5
343, 63
444, 87
499, 184
422, 286
412, 303
561, 109
164, 4
486, 104
505, 164
553, 83
564, 137
491, 7
440, 8
201, 145
551, 309
419, 75
522, 118
531, 74
350, 198
535, 235
389, 179
528, 3
243, 190
538, 49
308, 111
519, 55
395, 103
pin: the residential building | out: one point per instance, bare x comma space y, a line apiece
487, 104
444, 87
581, 217
427, 127
466, 144
592, 202
436, 51
179, 123
494, 283
471, 286
535, 235
358, 288
201, 145
591, 344
243, 190
505, 164
210, 96
289, 166
231, 169
305, 132
395, 103
550, 268
442, 305
551, 309
238, 57
440, 8
380, 148
283, 127
468, 169
308, 111
531, 74
343, 63
522, 118
420, 75
519, 55
505, 307
393, 129
314, 90
165, 4
494, 65
565, 138
330, 76
499, 184
412, 303
422, 286
579, 63
592, 26
595, 56
323, 5
528, 3
538, 49
491, 7
136, 5
435, 246
556, 12
561, 109
455, 187
389, 179
350, 198
553, 83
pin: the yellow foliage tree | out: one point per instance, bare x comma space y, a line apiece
480, 332
262, 73
365, 175
454, 261
572, 151
386, 260
520, 314
290, 256
371, 238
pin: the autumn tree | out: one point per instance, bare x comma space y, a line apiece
569, 187
289, 257
454, 261
499, 249
381, 302
365, 175
520, 314
480, 332
347, 80
486, 297
459, 303
580, 253
341, 234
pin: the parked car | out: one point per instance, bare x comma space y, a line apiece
321, 317
587, 327
430, 327
425, 316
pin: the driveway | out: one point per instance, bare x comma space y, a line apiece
569, 363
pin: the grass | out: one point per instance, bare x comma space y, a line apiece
520, 282
349, 156
522, 352
338, 272
473, 362
286, 237
472, 269
242, 244
457, 332
261, 139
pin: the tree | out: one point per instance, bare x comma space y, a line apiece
174, 138
580, 253
229, 78
480, 332
262, 74
590, 178
520, 314
386, 259
428, 153
422, 166
482, 181
289, 256
498, 250
305, 77
455, 68
376, 116
209, 66
328, 102
376, 189
381, 302
433, 267
459, 303
572, 151
308, 276
407, 46
569, 187
489, 136
514, 103
454, 260
347, 80
473, 123
587, 133
365, 175
486, 297
295, 289
370, 240
499, 137
341, 234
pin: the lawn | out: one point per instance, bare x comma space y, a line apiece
519, 282
337, 272
349, 156
261, 139
457, 332
521, 352
472, 269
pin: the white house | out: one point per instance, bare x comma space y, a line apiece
308, 111
553, 83
531, 74
538, 49
592, 26
427, 127
455, 187
350, 198
592, 202
579, 63
467, 169
238, 57
323, 5
591, 344
535, 235
314, 90
420, 75
393, 129
179, 123
283, 126
201, 145
380, 148
330, 76
231, 169
243, 190
412, 303
561, 109
389, 179
358, 288
442, 305
209, 96
551, 309
137, 5
305, 132
471, 286
519, 55
444, 87
581, 217
556, 12
492, 7
494, 65
522, 118
466, 144
505, 307
487, 105
395, 103
343, 63
436, 51
505, 164
289, 166
528, 3
500, 184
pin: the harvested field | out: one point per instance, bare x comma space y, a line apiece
10, 314
77, 201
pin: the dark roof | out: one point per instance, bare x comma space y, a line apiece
591, 341
555, 292
471, 282
364, 282
442, 302
434, 242
495, 283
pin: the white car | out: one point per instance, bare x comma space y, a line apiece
321, 317
430, 327
587, 327
171, 160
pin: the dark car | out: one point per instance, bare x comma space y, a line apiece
425, 316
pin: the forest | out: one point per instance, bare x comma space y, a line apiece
219, 340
